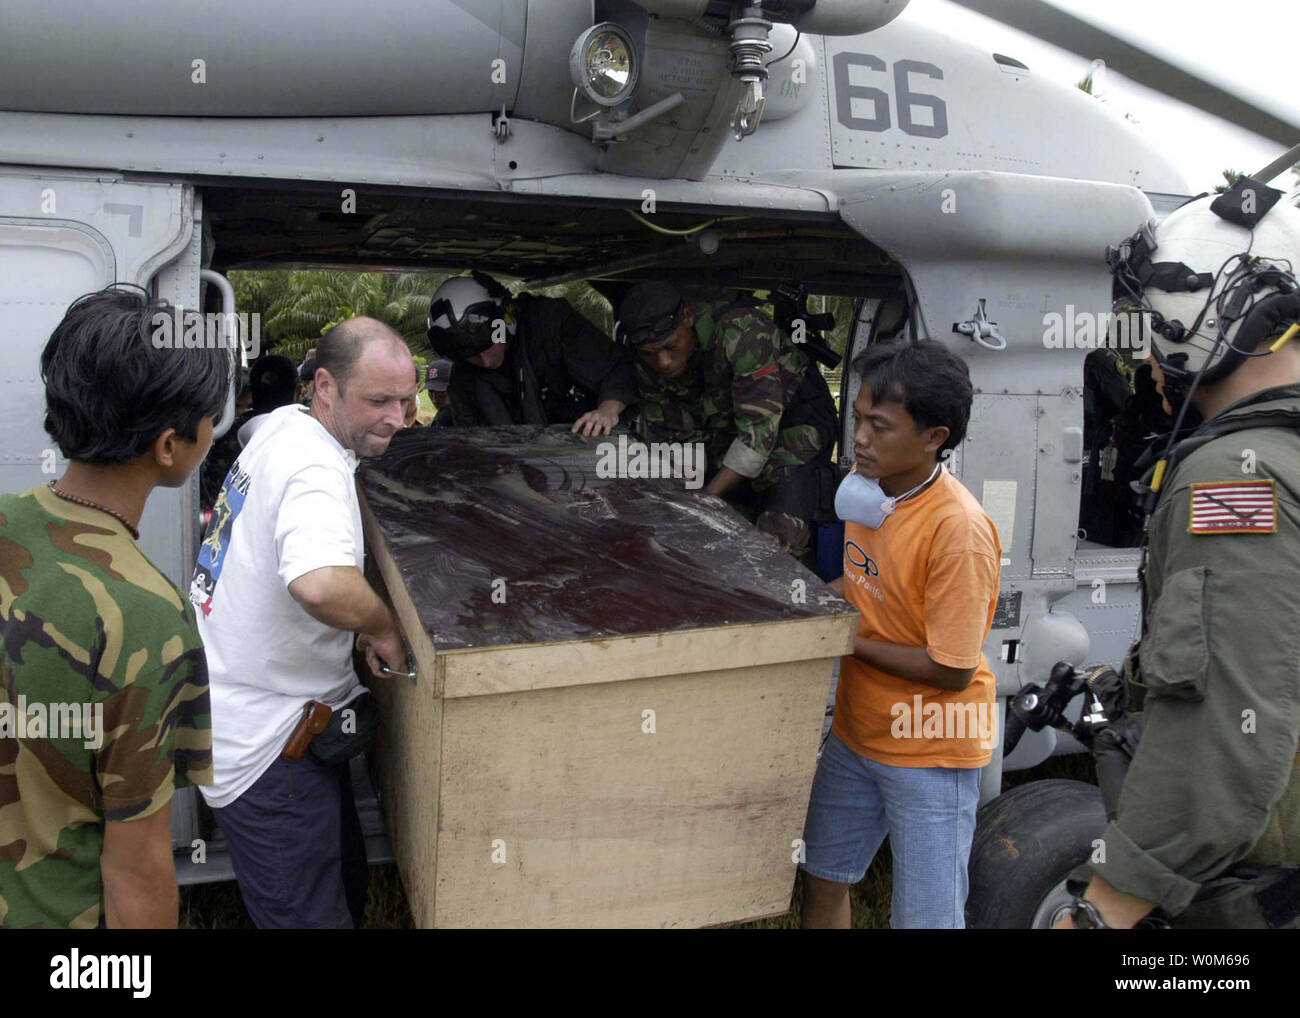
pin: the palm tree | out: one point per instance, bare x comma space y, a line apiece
319, 300
587, 301
298, 306
1231, 176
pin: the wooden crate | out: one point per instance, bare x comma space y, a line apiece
558, 763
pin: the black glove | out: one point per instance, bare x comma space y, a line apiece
1112, 751
1107, 686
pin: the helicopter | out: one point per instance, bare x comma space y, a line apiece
847, 148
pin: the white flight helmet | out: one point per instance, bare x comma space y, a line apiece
453, 299
463, 313
1213, 283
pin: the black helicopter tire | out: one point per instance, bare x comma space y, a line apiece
1026, 843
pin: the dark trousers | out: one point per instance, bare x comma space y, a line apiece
295, 841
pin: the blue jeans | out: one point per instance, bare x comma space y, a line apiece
929, 815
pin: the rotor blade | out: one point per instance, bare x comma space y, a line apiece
1289, 158
1055, 26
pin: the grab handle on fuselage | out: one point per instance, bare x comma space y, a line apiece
230, 333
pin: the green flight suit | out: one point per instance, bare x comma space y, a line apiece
1214, 780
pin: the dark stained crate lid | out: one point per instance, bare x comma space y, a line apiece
582, 556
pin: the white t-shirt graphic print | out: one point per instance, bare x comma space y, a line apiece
287, 507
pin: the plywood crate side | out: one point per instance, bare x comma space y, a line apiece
606, 824
410, 737
410, 744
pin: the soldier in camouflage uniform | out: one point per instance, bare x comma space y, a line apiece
103, 681
721, 373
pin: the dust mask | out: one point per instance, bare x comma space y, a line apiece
862, 500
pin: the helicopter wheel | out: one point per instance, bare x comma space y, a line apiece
1026, 843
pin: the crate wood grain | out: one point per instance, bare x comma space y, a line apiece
629, 738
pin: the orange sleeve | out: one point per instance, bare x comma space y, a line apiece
960, 587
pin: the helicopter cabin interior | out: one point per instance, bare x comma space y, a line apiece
547, 241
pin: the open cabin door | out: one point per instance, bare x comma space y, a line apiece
63, 235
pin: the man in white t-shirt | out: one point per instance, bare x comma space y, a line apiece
279, 593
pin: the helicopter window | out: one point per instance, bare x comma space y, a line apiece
1122, 415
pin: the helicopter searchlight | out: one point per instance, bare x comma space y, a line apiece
604, 65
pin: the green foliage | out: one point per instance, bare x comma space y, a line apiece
587, 301
1231, 176
298, 306
842, 309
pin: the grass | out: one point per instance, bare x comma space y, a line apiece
219, 907
868, 900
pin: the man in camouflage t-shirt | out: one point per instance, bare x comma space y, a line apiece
721, 373
103, 682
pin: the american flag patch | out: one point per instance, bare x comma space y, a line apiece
1234, 507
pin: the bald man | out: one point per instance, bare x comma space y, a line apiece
280, 593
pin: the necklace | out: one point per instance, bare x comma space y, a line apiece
95, 505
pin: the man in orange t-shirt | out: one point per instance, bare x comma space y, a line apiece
915, 710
